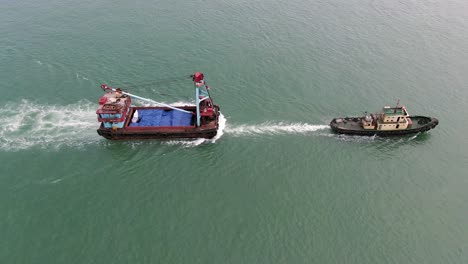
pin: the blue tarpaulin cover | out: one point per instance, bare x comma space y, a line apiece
159, 117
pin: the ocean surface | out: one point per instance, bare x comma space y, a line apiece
276, 185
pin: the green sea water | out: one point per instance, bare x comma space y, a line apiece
276, 186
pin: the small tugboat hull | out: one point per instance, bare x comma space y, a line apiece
352, 126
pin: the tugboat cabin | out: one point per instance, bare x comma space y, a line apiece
391, 118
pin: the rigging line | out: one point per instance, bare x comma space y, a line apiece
158, 81
162, 94
141, 87
146, 88
150, 83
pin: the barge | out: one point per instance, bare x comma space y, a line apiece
120, 120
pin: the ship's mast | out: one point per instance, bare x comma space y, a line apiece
201, 93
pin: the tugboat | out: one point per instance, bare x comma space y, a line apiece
392, 121
120, 120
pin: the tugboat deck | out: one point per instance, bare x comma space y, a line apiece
354, 123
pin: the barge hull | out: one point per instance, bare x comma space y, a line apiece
207, 130
122, 121
126, 135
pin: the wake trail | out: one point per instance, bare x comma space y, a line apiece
199, 141
27, 124
271, 128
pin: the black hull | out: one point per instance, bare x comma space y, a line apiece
137, 135
431, 123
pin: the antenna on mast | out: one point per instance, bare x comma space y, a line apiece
397, 105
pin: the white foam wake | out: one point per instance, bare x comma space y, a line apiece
270, 128
81, 76
26, 125
199, 141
